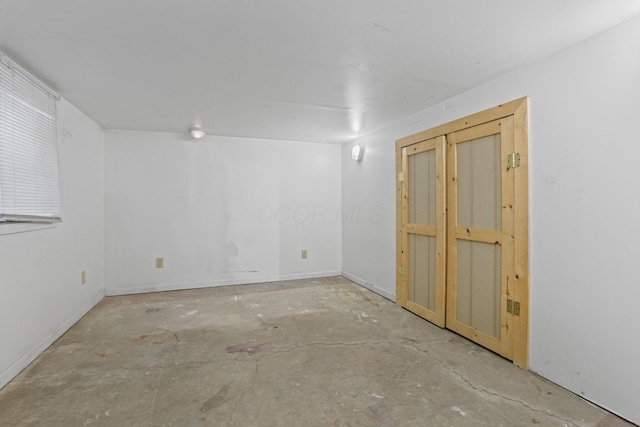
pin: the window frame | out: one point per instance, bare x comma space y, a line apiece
37, 205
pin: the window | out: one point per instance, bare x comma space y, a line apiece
29, 188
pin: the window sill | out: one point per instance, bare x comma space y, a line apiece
23, 227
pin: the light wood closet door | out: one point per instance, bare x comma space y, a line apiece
462, 221
480, 263
423, 230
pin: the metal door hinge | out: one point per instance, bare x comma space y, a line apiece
513, 160
401, 176
401, 271
513, 307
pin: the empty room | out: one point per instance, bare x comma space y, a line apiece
319, 213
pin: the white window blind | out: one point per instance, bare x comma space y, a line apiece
29, 188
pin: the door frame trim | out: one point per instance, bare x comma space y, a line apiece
519, 110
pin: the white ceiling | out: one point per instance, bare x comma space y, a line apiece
318, 71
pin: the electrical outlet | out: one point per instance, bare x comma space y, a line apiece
83, 278
160, 262
304, 254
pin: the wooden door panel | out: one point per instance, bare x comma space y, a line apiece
480, 222
421, 180
423, 230
479, 183
478, 286
422, 271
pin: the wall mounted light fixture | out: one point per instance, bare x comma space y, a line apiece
356, 152
197, 133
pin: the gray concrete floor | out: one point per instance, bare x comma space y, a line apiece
318, 352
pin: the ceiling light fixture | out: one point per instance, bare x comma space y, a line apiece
197, 133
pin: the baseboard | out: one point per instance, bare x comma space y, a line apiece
37, 350
215, 283
373, 288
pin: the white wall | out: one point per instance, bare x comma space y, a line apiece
584, 223
219, 210
369, 222
40, 271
